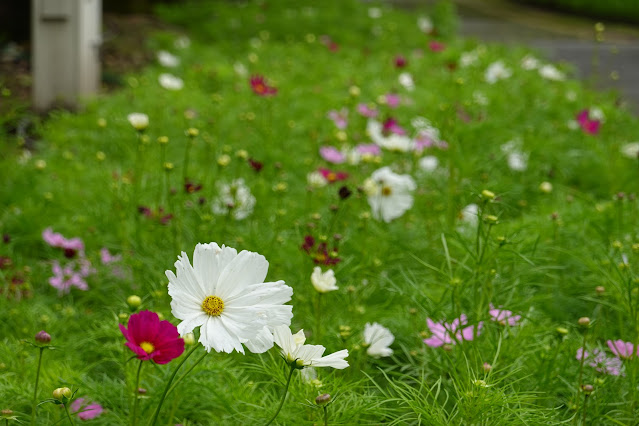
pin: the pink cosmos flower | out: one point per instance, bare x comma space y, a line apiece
503, 316
65, 278
391, 126
340, 118
86, 411
332, 155
365, 111
422, 142
400, 61
600, 362
623, 350
370, 148
436, 46
450, 333
70, 246
260, 87
586, 124
331, 176
392, 100
152, 339
107, 257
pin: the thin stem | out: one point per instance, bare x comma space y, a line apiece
288, 382
177, 382
35, 391
136, 401
66, 410
325, 415
581, 367
583, 419
168, 384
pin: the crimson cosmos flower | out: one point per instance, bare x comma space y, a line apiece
152, 339
260, 87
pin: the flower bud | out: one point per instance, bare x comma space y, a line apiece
6, 413
43, 337
545, 187
323, 399
134, 301
487, 195
189, 339
192, 132
487, 367
491, 219
62, 394
584, 322
562, 331
600, 290
588, 389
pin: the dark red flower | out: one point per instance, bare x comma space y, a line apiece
331, 176
400, 61
152, 339
191, 187
391, 126
260, 87
320, 254
256, 165
586, 124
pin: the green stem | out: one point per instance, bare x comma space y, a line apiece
168, 384
581, 368
66, 410
35, 391
325, 415
288, 382
136, 396
583, 420
177, 382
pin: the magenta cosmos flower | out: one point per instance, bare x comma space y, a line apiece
586, 124
503, 316
450, 333
331, 176
152, 339
86, 411
260, 87
623, 350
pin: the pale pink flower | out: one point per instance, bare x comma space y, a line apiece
600, 362
65, 278
392, 100
623, 350
450, 333
332, 155
371, 148
86, 411
107, 257
503, 316
367, 111
340, 118
70, 246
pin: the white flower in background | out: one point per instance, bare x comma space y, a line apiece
224, 294
138, 120
182, 42
428, 163
518, 161
295, 352
406, 81
378, 339
392, 142
529, 62
170, 82
168, 60
571, 96
316, 180
240, 69
234, 199
469, 214
425, 24
323, 282
374, 12
353, 157
572, 124
497, 71
631, 150
550, 72
479, 98
597, 113
467, 59
389, 194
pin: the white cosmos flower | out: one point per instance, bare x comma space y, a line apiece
138, 120
389, 194
631, 150
224, 294
374, 12
182, 42
518, 161
168, 60
467, 59
316, 180
406, 80
234, 199
392, 142
428, 163
497, 71
470, 214
170, 82
424, 24
295, 351
550, 72
378, 339
529, 62
323, 282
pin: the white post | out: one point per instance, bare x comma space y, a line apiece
66, 38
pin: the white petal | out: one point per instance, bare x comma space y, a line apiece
245, 269
260, 343
335, 360
215, 335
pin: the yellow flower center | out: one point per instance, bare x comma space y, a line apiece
213, 306
386, 191
147, 347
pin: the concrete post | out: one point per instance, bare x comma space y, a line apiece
66, 38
